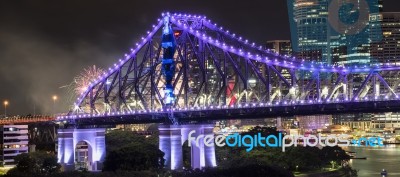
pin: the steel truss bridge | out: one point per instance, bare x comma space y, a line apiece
220, 75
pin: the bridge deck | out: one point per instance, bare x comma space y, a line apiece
247, 111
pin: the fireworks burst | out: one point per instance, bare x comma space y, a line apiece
88, 75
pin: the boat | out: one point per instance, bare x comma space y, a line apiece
353, 156
359, 158
384, 173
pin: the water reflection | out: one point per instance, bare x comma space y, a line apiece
378, 158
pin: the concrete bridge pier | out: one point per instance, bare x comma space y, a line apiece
173, 137
85, 147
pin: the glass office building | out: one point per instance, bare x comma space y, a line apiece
282, 47
334, 32
388, 50
309, 29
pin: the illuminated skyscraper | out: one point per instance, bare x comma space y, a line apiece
334, 31
283, 47
388, 50
309, 29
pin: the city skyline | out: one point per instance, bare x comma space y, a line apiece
186, 88
64, 38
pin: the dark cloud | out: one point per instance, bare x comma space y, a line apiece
44, 44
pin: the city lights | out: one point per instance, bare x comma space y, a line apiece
318, 79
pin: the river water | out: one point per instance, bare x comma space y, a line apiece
378, 158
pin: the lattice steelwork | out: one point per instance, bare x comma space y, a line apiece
216, 69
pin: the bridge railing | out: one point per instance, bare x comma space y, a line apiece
26, 119
243, 106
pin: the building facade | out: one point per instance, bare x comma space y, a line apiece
339, 33
334, 32
313, 123
309, 29
388, 50
360, 117
15, 141
358, 125
388, 121
282, 47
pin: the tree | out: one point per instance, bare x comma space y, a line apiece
298, 158
265, 131
334, 155
35, 164
302, 158
117, 139
186, 155
131, 152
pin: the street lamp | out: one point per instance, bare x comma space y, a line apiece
54, 103
5, 108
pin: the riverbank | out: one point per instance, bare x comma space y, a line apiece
329, 173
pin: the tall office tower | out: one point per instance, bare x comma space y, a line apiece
388, 50
309, 29
334, 31
358, 30
14, 139
283, 47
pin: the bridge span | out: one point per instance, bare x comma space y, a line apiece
187, 68
217, 74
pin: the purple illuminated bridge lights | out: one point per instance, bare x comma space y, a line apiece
234, 45
226, 107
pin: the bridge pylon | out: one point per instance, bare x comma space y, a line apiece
173, 137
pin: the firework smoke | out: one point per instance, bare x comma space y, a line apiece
87, 76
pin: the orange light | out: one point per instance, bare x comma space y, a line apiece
177, 33
5, 103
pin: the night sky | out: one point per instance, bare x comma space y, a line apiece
44, 44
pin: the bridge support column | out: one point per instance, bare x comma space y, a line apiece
209, 152
171, 144
67, 146
173, 137
66, 149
